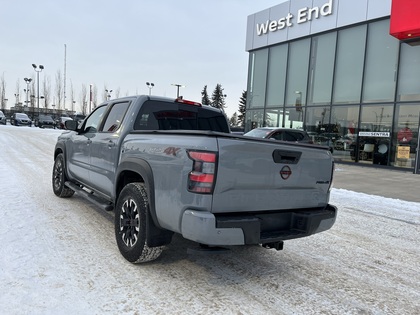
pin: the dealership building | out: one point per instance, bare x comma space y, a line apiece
346, 71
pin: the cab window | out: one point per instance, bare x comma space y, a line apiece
92, 122
115, 117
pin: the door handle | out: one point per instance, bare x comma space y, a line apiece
111, 144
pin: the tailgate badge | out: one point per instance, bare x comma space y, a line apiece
285, 172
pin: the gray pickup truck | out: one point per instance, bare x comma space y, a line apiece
168, 166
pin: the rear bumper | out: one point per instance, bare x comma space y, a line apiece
255, 228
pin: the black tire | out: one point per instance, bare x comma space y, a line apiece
130, 225
59, 178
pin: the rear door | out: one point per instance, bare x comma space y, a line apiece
263, 175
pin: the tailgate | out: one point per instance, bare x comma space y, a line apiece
263, 175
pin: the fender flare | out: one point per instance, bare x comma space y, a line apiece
157, 236
143, 169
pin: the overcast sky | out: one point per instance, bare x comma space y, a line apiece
123, 44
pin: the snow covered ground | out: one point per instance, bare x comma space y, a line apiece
59, 256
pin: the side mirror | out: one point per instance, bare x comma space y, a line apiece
71, 125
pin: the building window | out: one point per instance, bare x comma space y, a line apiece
254, 119
297, 72
405, 135
274, 118
409, 73
345, 120
381, 64
257, 79
349, 65
321, 69
276, 76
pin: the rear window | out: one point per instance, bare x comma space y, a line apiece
293, 136
258, 133
156, 115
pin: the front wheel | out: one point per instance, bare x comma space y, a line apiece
59, 178
130, 225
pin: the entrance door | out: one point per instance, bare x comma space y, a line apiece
374, 136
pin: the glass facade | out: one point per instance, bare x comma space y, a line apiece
356, 90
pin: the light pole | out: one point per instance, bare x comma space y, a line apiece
37, 69
177, 88
28, 81
108, 94
150, 86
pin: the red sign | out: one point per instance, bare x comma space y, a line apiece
405, 21
405, 135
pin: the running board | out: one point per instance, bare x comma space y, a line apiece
91, 197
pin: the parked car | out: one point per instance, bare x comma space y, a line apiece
343, 143
78, 117
285, 134
324, 141
20, 119
2, 118
45, 121
237, 130
60, 122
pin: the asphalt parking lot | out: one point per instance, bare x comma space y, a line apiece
396, 184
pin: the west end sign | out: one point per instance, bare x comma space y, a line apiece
303, 15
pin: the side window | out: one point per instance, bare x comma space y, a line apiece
92, 122
293, 136
277, 136
115, 116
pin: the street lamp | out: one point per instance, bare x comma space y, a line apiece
108, 94
37, 69
177, 90
28, 81
150, 86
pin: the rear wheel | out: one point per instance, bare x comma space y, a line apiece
59, 178
130, 225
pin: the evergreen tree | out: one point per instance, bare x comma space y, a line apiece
218, 98
233, 121
204, 96
242, 109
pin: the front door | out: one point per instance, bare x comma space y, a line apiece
79, 152
374, 136
105, 149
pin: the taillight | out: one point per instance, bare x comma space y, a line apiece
180, 100
201, 179
332, 176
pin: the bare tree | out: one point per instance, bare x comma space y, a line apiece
83, 99
46, 91
32, 98
3, 92
17, 91
59, 90
72, 97
95, 96
117, 93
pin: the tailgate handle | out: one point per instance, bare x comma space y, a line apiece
286, 157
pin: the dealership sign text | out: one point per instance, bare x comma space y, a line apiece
303, 15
